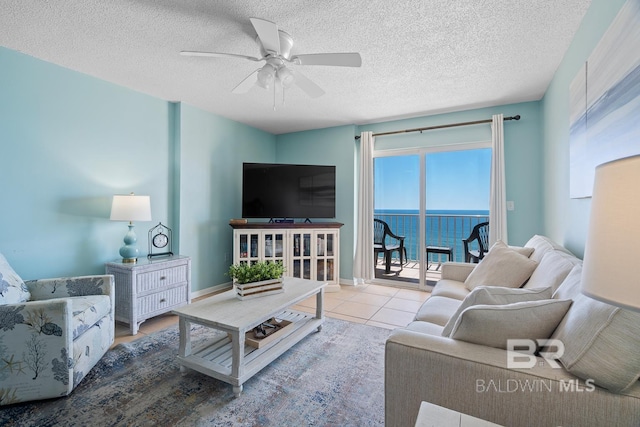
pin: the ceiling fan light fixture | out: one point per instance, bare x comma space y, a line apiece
285, 76
266, 76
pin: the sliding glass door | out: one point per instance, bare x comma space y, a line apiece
397, 205
432, 198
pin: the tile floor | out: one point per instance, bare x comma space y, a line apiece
381, 306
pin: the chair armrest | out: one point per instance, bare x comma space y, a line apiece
37, 350
390, 234
457, 270
62, 287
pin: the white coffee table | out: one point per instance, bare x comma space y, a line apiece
226, 357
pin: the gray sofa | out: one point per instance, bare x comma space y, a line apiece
591, 381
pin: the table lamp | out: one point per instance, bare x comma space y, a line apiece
611, 270
130, 208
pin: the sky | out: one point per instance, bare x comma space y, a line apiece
456, 180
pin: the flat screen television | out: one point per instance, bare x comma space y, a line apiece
281, 191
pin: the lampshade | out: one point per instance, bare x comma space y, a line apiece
130, 208
611, 268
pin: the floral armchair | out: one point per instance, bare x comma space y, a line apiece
52, 332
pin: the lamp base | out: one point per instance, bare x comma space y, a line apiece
129, 252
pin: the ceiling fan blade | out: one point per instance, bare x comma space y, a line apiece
218, 54
268, 34
246, 84
307, 86
334, 59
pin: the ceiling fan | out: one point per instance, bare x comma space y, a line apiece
275, 49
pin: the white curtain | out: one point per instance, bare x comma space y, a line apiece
498, 197
363, 268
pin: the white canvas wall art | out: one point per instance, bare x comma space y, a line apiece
605, 102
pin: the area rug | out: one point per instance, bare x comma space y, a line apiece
331, 378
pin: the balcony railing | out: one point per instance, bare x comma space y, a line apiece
440, 230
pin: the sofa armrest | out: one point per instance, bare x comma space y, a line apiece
474, 379
457, 270
36, 355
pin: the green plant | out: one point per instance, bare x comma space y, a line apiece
245, 272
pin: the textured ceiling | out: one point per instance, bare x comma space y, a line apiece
419, 57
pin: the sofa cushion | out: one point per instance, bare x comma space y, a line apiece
12, 287
496, 295
570, 287
437, 310
601, 343
87, 311
541, 245
424, 328
501, 267
493, 325
552, 269
450, 289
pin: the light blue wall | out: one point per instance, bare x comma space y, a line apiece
212, 152
565, 219
523, 152
331, 146
68, 142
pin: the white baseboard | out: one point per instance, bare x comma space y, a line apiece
211, 290
347, 282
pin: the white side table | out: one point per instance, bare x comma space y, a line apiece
431, 415
150, 287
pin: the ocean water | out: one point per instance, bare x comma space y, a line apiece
442, 228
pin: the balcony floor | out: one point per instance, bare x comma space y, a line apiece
409, 273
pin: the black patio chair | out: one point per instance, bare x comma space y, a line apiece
381, 231
480, 233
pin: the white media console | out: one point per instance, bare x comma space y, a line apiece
307, 250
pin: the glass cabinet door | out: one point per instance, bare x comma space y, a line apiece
325, 256
248, 247
273, 246
301, 257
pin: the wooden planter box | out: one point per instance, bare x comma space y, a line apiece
259, 289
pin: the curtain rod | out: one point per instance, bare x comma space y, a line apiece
477, 122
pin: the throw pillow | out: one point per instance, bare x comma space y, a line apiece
12, 288
501, 267
495, 295
552, 269
601, 342
522, 250
570, 287
541, 245
493, 325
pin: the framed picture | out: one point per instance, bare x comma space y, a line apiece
605, 102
